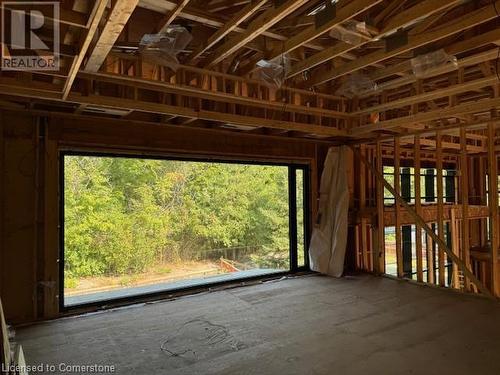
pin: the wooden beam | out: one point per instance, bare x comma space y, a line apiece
228, 27
94, 19
379, 251
472, 107
493, 204
217, 6
455, 279
445, 145
362, 205
208, 94
169, 18
432, 95
440, 203
411, 78
422, 9
118, 18
465, 22
256, 28
345, 13
66, 16
207, 19
391, 8
464, 187
418, 210
158, 108
397, 207
201, 114
424, 225
406, 68
428, 22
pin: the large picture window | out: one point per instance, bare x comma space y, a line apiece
134, 226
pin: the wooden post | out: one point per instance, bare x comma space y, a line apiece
424, 225
418, 191
493, 203
397, 208
362, 206
454, 247
430, 260
418, 209
440, 214
359, 264
379, 255
464, 183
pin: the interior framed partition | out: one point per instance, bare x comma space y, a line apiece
436, 219
106, 279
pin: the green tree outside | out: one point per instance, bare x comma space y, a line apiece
125, 215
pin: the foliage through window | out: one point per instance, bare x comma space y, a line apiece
140, 225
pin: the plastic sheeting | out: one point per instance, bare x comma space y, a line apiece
351, 32
164, 47
275, 71
422, 65
329, 238
356, 84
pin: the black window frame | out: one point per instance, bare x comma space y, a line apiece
292, 223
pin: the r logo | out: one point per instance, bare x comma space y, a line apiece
30, 35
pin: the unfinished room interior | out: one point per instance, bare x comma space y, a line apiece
250, 187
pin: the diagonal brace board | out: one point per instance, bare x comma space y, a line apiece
424, 225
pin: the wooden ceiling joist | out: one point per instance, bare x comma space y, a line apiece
345, 13
177, 111
465, 22
254, 29
466, 108
446, 145
211, 94
195, 15
409, 16
95, 18
230, 26
388, 10
166, 21
407, 80
66, 17
454, 49
121, 12
249, 30
436, 94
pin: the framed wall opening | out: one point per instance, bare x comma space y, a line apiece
428, 200
133, 226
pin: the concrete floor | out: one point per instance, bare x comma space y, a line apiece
304, 325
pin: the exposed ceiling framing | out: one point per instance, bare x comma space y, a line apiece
215, 84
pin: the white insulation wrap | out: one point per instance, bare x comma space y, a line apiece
329, 237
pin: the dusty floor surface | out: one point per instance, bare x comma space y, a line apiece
304, 325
